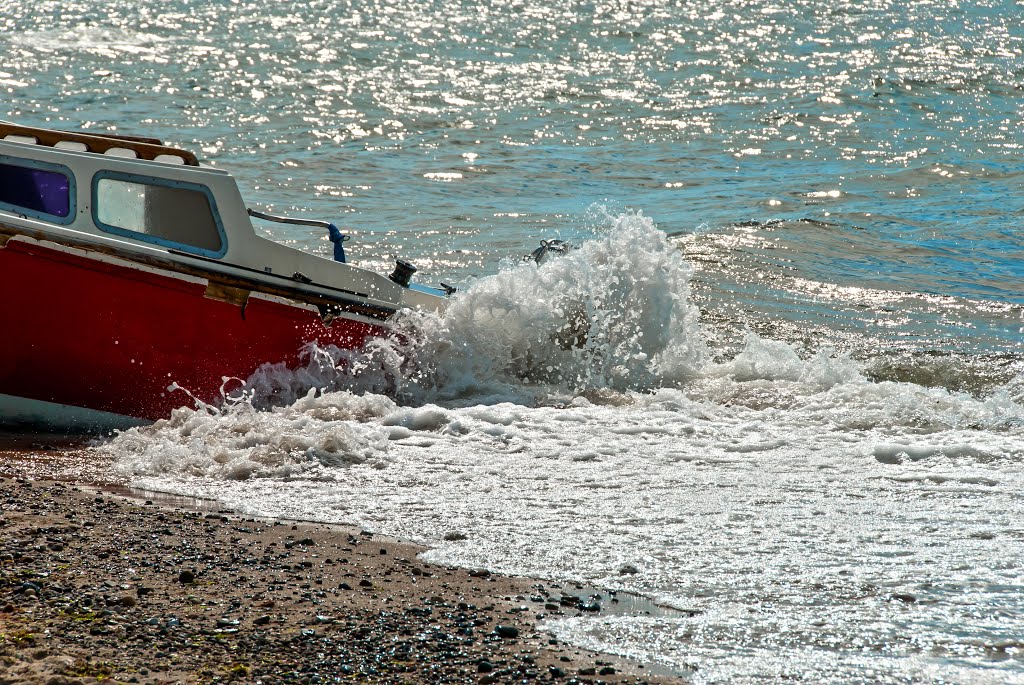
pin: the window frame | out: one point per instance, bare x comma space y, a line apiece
141, 179
12, 160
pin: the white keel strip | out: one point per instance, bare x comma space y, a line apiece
20, 412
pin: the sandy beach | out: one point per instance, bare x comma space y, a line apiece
100, 587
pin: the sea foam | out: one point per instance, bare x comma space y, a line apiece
608, 325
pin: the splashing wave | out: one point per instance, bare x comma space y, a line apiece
609, 324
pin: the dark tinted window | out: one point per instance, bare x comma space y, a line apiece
37, 190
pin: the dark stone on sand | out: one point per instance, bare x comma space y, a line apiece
420, 631
589, 670
607, 670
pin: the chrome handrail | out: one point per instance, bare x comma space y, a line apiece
336, 236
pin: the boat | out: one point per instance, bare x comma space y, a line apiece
133, 283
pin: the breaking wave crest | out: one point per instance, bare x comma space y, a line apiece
609, 324
613, 314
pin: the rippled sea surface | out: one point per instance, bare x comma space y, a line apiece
798, 417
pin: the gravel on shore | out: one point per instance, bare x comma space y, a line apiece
95, 587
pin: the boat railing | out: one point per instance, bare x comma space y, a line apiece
333, 232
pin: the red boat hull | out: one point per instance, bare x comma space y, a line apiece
112, 337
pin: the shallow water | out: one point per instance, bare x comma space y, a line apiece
796, 406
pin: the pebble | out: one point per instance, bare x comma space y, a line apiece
428, 627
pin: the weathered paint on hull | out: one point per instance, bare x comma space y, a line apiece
110, 337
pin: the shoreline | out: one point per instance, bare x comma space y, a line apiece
100, 585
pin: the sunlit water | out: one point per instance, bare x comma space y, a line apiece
778, 386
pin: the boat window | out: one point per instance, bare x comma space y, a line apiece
36, 189
173, 214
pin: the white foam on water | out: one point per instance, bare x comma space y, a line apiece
106, 41
245, 442
615, 313
804, 514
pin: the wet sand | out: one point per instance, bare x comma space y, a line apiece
98, 587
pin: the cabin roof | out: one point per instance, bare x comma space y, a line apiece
116, 145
